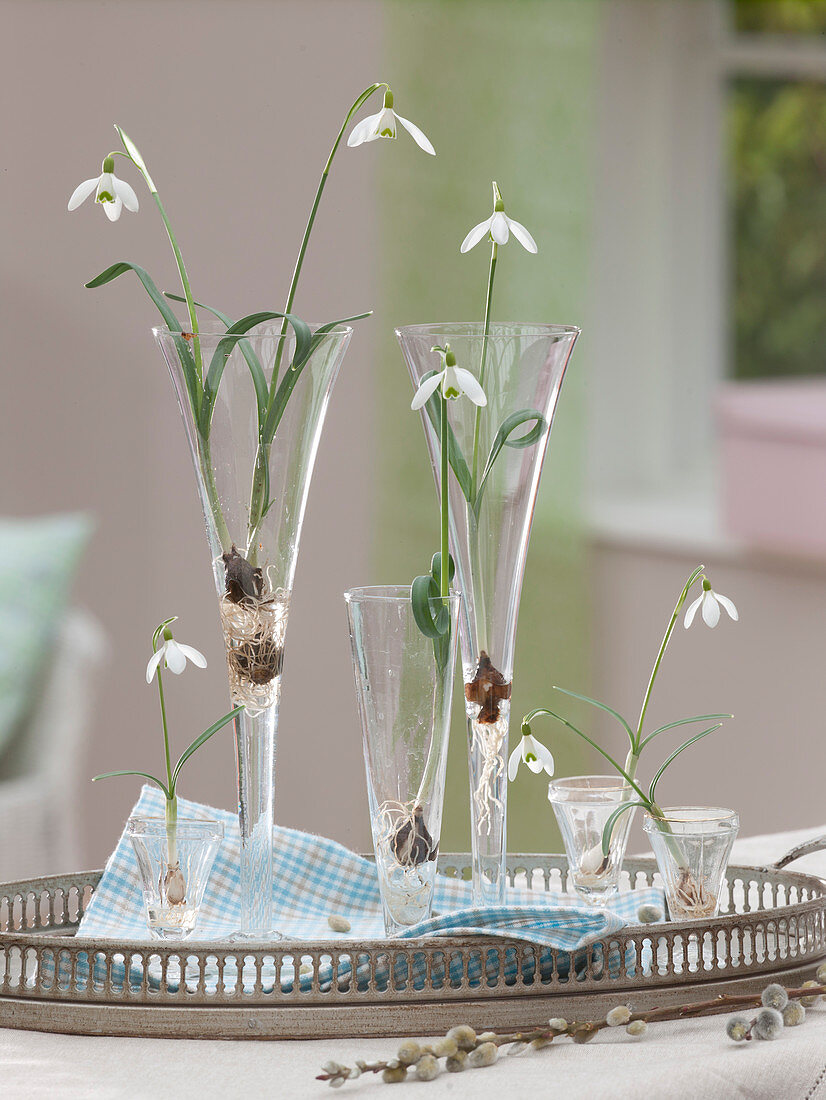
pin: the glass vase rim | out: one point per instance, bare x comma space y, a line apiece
575, 782
214, 330
390, 593
475, 329
195, 827
685, 815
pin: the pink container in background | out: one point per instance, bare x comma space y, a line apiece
773, 459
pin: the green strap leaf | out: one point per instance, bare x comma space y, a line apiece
287, 384
230, 341
259, 381
652, 789
146, 775
201, 740
620, 770
455, 457
502, 439
429, 611
172, 323
613, 819
118, 269
320, 333
682, 722
601, 706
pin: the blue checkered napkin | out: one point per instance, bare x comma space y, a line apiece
315, 877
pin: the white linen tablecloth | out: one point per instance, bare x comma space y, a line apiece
690, 1060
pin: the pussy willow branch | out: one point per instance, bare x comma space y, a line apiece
583, 1031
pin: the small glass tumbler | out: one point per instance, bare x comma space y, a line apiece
692, 845
582, 805
175, 865
404, 686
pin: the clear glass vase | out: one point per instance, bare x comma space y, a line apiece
498, 452
404, 686
582, 805
692, 845
253, 456
175, 864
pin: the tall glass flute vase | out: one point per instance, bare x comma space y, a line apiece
253, 446
404, 686
497, 456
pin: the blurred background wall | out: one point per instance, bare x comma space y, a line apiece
668, 157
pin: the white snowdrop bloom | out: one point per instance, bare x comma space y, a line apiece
383, 125
174, 655
454, 381
533, 753
711, 602
499, 227
110, 192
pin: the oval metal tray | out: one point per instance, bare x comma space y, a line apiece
773, 925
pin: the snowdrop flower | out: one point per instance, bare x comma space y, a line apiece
174, 655
499, 227
112, 193
383, 125
455, 381
711, 603
533, 753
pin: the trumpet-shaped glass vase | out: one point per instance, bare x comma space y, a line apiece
583, 805
253, 452
692, 845
496, 455
175, 867
404, 686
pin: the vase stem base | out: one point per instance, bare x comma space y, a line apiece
256, 937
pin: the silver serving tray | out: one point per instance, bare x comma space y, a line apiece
773, 927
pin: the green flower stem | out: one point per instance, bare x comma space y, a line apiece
133, 154
263, 454
483, 361
172, 830
476, 571
171, 801
445, 578
190, 301
357, 104
212, 493
167, 757
633, 755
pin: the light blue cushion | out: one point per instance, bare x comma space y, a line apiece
38, 558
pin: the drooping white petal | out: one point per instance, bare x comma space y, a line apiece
418, 136
126, 194
82, 192
514, 760
106, 186
499, 228
113, 209
385, 125
692, 611
475, 235
175, 660
366, 130
522, 235
711, 609
426, 390
544, 755
154, 661
728, 605
470, 386
193, 654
